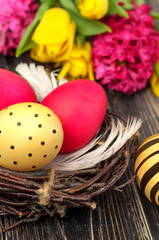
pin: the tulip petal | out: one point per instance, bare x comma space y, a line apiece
49, 31
87, 51
38, 53
79, 64
154, 81
79, 68
65, 68
68, 45
95, 9
90, 71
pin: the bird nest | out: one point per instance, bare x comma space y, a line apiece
30, 195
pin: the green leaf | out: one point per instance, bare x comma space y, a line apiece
69, 5
140, 2
80, 40
156, 69
77, 1
154, 15
26, 43
114, 8
127, 4
85, 26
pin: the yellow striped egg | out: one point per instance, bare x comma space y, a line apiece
147, 168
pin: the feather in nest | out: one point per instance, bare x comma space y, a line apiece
82, 158
39, 79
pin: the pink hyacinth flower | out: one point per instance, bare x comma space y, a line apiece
123, 60
15, 16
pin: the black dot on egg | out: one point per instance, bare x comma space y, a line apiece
29, 105
19, 124
36, 115
11, 113
15, 162
39, 125
30, 138
0, 131
56, 146
54, 131
45, 156
33, 166
12, 147
48, 115
42, 143
30, 154
0, 156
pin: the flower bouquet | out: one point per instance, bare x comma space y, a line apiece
113, 42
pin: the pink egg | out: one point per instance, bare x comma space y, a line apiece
14, 89
81, 107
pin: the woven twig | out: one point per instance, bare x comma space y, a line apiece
20, 192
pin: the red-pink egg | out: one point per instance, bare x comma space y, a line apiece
14, 89
81, 107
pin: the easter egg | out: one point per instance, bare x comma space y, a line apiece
147, 168
14, 89
81, 107
31, 135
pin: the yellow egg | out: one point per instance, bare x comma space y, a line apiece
147, 168
31, 135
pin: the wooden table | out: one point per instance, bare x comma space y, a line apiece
119, 215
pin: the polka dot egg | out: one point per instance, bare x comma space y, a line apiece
147, 168
31, 135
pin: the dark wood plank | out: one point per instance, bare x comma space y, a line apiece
125, 214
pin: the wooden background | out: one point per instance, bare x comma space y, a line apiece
119, 215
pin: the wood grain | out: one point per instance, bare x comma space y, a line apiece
120, 215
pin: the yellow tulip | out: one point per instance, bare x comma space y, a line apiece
93, 9
79, 65
154, 82
54, 36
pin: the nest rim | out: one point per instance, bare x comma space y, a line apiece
20, 195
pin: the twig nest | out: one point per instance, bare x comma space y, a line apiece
29, 195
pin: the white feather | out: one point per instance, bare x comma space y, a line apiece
83, 158
53, 80
38, 79
62, 81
